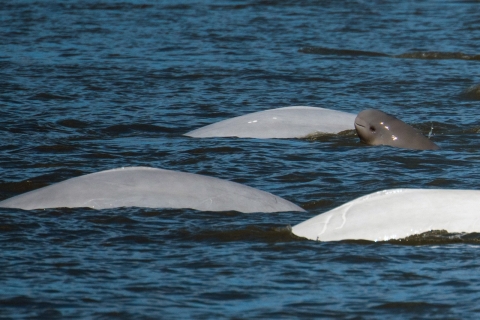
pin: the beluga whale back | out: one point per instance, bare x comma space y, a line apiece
150, 188
288, 122
396, 214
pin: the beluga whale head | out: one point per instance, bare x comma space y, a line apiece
375, 127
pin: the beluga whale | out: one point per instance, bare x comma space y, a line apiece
396, 214
150, 188
287, 122
375, 127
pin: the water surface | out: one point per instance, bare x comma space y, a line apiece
87, 86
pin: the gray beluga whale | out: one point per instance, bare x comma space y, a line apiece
396, 214
288, 122
151, 188
376, 127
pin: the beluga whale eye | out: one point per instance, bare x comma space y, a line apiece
372, 128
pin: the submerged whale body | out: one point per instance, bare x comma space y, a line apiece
375, 127
151, 188
396, 214
288, 122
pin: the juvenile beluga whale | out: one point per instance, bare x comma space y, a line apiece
396, 214
150, 188
376, 127
288, 122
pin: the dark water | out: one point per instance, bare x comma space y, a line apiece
87, 86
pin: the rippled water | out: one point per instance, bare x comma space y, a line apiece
87, 86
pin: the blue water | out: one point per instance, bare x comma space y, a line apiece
87, 86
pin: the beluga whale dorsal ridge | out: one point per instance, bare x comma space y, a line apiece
150, 188
287, 122
375, 127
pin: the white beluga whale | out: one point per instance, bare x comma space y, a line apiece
151, 188
288, 122
396, 214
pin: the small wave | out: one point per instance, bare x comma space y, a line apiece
132, 239
226, 295
11, 188
341, 52
427, 55
471, 93
49, 96
322, 136
108, 7
248, 233
433, 55
434, 237
215, 150
73, 123
111, 220
127, 128
438, 237
317, 204
57, 148
413, 307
